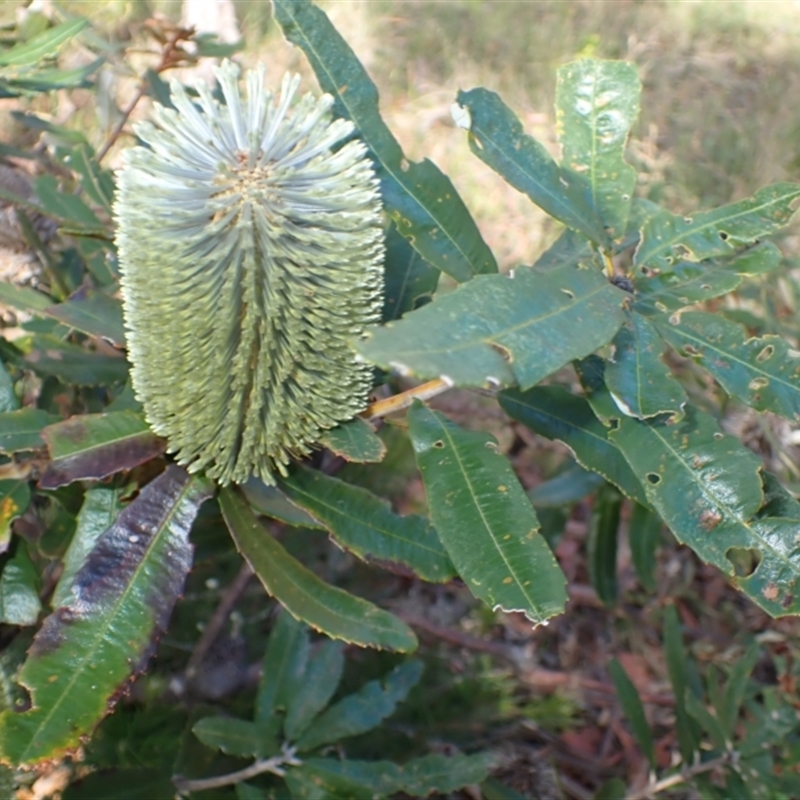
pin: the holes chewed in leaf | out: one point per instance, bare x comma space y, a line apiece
653, 478
744, 560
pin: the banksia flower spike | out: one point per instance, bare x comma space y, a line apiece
251, 254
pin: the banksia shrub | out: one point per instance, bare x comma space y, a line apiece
251, 255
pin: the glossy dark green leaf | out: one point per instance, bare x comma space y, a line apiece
49, 355
98, 183
15, 496
762, 372
566, 488
236, 737
93, 446
597, 102
556, 413
499, 330
325, 608
569, 249
601, 544
363, 710
355, 440
91, 311
644, 535
19, 590
640, 382
667, 238
409, 281
365, 525
634, 710
101, 506
120, 601
421, 200
676, 656
687, 282
320, 680
22, 429
484, 518
272, 502
123, 784
283, 667
8, 397
496, 136
43, 45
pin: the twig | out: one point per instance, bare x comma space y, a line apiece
218, 619
654, 787
397, 402
259, 767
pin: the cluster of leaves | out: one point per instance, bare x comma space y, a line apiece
103, 537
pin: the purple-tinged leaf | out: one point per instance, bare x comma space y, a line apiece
119, 602
93, 446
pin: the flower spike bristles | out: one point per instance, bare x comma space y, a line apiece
251, 253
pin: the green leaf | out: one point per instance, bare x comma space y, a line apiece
707, 720
634, 710
8, 397
409, 281
365, 525
363, 710
283, 667
566, 488
272, 502
24, 299
676, 657
121, 599
762, 372
611, 790
101, 506
91, 311
123, 784
421, 201
557, 414
325, 608
601, 544
667, 238
43, 45
22, 429
93, 446
687, 283
50, 79
569, 249
639, 381
320, 680
19, 590
67, 208
644, 535
355, 440
735, 690
597, 102
484, 518
97, 182
73, 364
497, 138
547, 319
236, 737
15, 496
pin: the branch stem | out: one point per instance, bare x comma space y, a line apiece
654, 787
398, 402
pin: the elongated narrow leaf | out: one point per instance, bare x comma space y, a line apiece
365, 525
707, 721
547, 320
676, 656
484, 518
568, 487
42, 45
68, 209
101, 506
421, 200
355, 440
597, 102
706, 486
325, 608
22, 429
601, 544
363, 710
236, 737
120, 600
23, 298
735, 690
667, 237
283, 667
93, 446
320, 680
688, 283
644, 535
19, 590
762, 372
497, 138
91, 311
570, 249
73, 364
409, 281
15, 496
98, 183
555, 413
272, 502
8, 397
639, 381
634, 710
